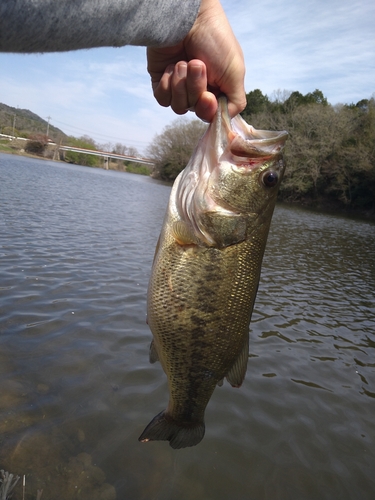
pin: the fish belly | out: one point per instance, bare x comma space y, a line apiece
200, 303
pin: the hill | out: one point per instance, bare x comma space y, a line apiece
25, 123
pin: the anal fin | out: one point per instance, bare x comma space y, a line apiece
237, 373
153, 354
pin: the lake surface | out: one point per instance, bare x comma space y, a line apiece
76, 387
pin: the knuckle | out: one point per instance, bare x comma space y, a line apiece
162, 97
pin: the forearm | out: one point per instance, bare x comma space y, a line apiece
61, 25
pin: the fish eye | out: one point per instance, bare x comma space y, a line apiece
270, 178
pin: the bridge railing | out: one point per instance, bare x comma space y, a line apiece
106, 154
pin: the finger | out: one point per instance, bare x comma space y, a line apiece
236, 103
206, 107
232, 85
196, 81
162, 88
235, 92
179, 101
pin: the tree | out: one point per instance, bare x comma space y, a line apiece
315, 97
297, 99
363, 104
10, 131
351, 175
37, 144
316, 136
171, 150
280, 96
84, 142
255, 103
330, 155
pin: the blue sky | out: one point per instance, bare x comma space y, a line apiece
288, 45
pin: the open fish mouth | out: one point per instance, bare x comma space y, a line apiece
206, 185
243, 140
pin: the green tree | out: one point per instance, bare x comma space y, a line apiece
9, 131
256, 102
315, 97
297, 99
83, 142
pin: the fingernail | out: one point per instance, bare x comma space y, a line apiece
182, 70
196, 71
169, 69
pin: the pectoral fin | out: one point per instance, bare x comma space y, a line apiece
183, 233
236, 374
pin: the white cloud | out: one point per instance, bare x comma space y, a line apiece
292, 45
303, 46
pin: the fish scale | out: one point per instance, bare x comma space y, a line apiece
206, 271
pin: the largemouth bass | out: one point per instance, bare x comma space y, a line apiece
206, 269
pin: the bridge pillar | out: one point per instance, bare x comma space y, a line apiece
106, 162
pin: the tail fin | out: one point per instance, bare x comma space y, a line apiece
179, 436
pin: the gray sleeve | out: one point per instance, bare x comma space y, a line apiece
60, 25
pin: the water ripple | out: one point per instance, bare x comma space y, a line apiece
76, 247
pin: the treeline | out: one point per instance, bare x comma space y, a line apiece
24, 123
40, 145
330, 154
87, 142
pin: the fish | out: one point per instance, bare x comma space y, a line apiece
206, 269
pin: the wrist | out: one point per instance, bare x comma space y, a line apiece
208, 10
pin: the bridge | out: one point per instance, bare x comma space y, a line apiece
106, 155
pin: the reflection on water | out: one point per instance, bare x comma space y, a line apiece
76, 388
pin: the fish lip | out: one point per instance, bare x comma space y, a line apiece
227, 144
224, 112
243, 141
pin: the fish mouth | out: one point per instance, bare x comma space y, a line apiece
243, 140
228, 146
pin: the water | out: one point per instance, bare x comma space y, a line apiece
76, 388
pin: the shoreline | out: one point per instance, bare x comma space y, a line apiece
319, 206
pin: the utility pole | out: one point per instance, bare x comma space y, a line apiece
14, 123
48, 118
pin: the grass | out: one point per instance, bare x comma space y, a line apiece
136, 168
4, 146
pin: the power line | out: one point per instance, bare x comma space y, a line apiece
98, 134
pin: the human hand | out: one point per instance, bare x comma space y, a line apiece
208, 62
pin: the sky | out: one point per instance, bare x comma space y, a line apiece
288, 45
